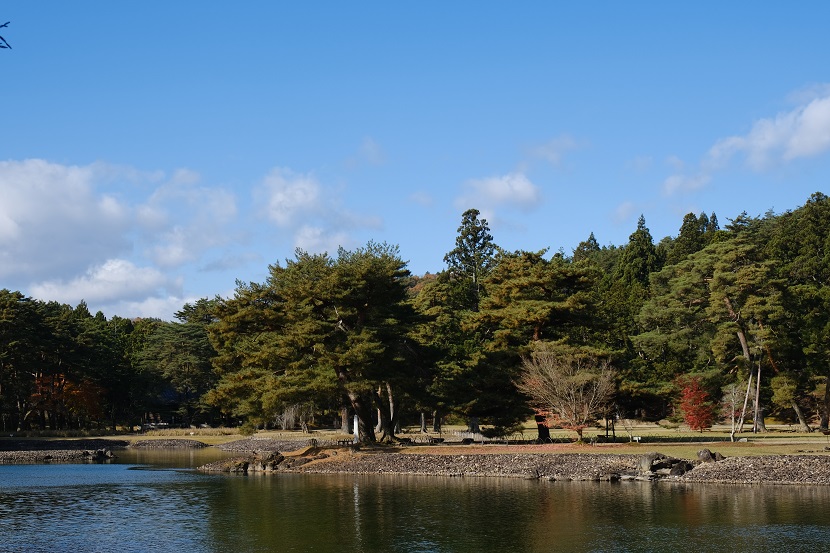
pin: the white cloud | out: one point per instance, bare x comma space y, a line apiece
53, 221
511, 190
116, 279
182, 220
800, 133
159, 307
105, 233
231, 261
640, 164
312, 214
422, 198
288, 196
624, 212
685, 183
317, 239
371, 151
675, 163
554, 151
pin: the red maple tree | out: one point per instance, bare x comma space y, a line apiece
698, 411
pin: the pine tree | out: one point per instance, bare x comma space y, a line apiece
639, 258
586, 249
472, 258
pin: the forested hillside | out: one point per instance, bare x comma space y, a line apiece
739, 315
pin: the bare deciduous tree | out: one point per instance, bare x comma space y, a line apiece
730, 404
628, 425
572, 389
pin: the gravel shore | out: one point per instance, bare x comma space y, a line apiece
762, 469
766, 469
580, 466
64, 444
17, 452
168, 444
249, 445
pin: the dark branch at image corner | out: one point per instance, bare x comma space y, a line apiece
3, 43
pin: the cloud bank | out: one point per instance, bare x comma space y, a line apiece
801, 133
513, 190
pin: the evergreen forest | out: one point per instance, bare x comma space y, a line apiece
734, 317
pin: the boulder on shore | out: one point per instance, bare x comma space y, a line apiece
264, 462
655, 465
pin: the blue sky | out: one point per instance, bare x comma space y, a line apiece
151, 153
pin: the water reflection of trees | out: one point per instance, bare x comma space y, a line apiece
372, 513
640, 516
394, 513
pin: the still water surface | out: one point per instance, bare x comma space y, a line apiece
161, 504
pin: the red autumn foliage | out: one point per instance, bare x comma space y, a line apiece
698, 411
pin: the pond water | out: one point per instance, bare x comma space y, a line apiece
152, 501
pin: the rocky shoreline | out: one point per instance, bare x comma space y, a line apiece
709, 468
272, 456
168, 444
18, 452
263, 444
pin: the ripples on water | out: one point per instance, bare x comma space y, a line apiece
120, 507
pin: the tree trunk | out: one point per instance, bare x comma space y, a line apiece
436, 421
344, 420
758, 417
825, 406
361, 405
393, 413
387, 418
472, 426
379, 425
365, 430
802, 421
542, 429
385, 424
746, 400
758, 425
423, 423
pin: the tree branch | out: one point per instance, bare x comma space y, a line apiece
3, 43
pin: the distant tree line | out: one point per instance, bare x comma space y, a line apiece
729, 322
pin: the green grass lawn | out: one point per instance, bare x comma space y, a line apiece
677, 442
